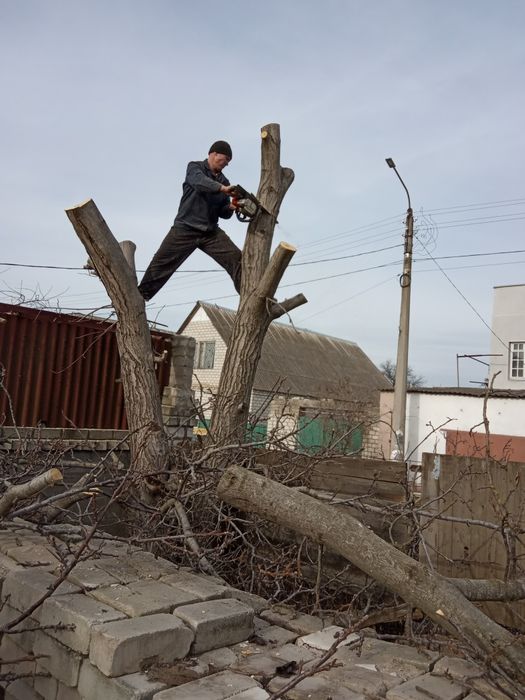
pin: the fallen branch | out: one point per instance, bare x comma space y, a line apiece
30, 488
186, 528
490, 589
417, 584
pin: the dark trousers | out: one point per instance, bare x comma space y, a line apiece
180, 244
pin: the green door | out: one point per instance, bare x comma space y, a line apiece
324, 432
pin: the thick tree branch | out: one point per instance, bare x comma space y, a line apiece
20, 491
279, 308
149, 443
275, 269
417, 584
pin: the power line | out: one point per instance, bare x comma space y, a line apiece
463, 296
309, 262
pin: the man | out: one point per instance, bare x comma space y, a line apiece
205, 198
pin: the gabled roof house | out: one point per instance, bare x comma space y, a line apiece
309, 371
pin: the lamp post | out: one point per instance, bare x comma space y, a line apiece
400, 385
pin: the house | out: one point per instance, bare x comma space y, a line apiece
310, 390
508, 337
449, 420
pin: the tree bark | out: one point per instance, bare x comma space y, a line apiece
433, 594
148, 439
483, 590
30, 488
257, 306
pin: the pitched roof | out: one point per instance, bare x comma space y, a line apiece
302, 362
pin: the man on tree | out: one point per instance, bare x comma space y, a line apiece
205, 199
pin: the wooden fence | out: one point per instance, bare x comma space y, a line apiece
490, 497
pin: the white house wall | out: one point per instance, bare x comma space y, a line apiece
202, 329
428, 411
508, 324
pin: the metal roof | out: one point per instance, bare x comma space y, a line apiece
304, 363
468, 391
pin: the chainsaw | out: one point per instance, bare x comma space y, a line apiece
246, 204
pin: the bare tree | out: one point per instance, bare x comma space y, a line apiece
389, 370
257, 308
149, 442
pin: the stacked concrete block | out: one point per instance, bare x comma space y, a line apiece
217, 623
122, 647
131, 627
177, 397
117, 613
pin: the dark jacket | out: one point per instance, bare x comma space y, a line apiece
202, 202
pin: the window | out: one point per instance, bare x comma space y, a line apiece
205, 354
517, 360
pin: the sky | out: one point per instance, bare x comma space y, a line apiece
110, 99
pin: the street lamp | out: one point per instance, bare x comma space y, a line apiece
400, 385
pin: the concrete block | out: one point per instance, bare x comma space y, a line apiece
23, 587
21, 690
112, 548
87, 575
6, 565
83, 612
264, 663
455, 668
18, 635
324, 639
93, 685
314, 687
122, 647
362, 678
219, 686
290, 619
8, 540
61, 662
427, 686
217, 623
34, 555
143, 597
11, 651
118, 567
254, 601
274, 635
202, 587
147, 566
377, 651
64, 692
217, 659
45, 685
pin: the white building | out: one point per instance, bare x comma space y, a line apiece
449, 420
508, 338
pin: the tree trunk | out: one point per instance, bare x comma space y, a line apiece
414, 582
149, 442
257, 306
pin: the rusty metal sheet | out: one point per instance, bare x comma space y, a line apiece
63, 371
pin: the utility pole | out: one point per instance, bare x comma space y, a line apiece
400, 386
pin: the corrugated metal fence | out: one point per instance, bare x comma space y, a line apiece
63, 371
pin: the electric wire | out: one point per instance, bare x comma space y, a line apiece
464, 297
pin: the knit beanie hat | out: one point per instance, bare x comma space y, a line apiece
221, 147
